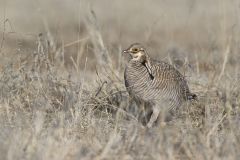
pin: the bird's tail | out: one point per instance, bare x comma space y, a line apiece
192, 96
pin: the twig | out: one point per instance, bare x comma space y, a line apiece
100, 50
75, 42
224, 62
100, 89
4, 29
214, 128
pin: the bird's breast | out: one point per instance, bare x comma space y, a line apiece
138, 81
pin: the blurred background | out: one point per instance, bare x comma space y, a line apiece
196, 28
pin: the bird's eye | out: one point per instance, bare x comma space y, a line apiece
135, 50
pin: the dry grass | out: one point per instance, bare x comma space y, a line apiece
61, 82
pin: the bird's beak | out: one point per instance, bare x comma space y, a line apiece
125, 51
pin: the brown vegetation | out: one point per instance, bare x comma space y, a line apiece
62, 94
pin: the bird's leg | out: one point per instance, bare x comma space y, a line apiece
154, 116
132, 106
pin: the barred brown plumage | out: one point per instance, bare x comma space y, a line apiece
154, 81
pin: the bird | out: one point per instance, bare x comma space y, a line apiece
155, 82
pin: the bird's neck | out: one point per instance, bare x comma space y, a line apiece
145, 63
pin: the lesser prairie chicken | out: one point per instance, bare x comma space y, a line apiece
155, 82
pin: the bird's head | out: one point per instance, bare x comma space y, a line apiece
137, 52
